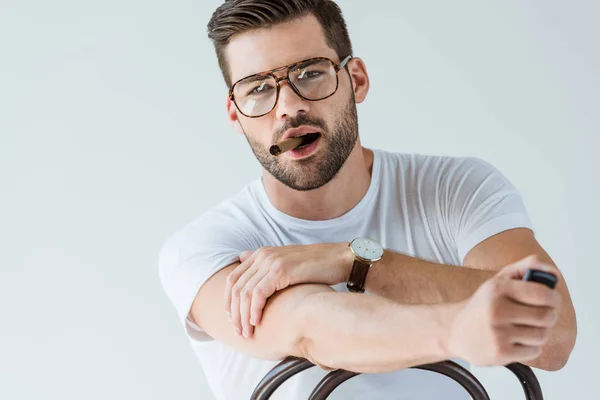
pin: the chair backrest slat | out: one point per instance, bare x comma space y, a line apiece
294, 365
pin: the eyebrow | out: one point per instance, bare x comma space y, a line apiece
306, 63
256, 77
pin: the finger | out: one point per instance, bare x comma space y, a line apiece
238, 292
522, 353
532, 293
244, 255
246, 302
234, 313
262, 291
528, 335
541, 317
232, 279
517, 270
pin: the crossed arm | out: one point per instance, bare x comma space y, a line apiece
421, 282
407, 323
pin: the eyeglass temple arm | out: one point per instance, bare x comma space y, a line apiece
343, 63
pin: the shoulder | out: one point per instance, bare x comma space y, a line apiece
227, 226
428, 170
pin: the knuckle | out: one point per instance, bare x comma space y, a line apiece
544, 335
277, 267
266, 257
546, 294
260, 252
266, 250
557, 298
547, 317
494, 286
245, 293
539, 294
499, 336
259, 291
235, 290
274, 260
230, 280
537, 335
496, 312
498, 289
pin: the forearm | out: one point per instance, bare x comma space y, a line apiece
409, 280
371, 334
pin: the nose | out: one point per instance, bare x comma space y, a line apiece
289, 103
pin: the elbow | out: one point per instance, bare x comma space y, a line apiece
305, 341
305, 349
301, 344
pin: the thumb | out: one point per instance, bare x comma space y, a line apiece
244, 255
518, 269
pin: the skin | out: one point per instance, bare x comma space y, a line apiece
338, 176
271, 297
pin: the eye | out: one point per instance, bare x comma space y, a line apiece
260, 89
310, 74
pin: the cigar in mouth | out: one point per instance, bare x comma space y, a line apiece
293, 143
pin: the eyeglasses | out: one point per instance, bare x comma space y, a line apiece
313, 79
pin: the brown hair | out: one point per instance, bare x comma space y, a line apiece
238, 16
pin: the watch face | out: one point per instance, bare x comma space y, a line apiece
367, 248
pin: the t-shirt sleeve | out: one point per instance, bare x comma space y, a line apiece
482, 203
191, 256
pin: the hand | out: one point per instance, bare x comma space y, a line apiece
507, 319
269, 269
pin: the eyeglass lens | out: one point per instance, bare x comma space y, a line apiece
314, 80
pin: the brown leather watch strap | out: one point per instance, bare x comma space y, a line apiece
358, 276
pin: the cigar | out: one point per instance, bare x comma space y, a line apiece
289, 144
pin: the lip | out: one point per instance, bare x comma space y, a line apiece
302, 130
298, 154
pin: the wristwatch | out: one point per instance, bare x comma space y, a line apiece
367, 251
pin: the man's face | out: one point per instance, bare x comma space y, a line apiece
335, 118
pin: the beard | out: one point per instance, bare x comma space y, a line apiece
322, 166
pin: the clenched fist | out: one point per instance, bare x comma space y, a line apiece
507, 319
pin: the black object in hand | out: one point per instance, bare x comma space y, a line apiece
543, 277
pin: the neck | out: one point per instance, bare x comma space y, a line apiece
332, 200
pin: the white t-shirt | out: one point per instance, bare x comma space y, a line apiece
431, 207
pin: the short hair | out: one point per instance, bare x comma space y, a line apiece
234, 17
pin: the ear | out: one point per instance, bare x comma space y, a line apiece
359, 78
232, 115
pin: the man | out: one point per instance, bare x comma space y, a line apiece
269, 273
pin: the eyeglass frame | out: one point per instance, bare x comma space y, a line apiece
289, 67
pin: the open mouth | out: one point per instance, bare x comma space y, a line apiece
308, 139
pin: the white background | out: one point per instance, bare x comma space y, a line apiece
113, 135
